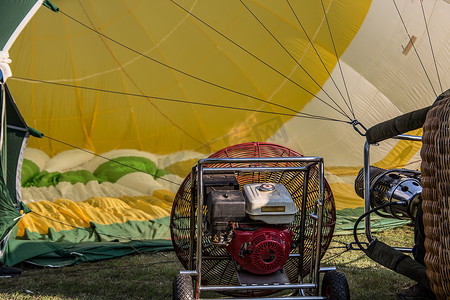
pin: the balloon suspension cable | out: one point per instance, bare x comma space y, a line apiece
258, 58
337, 60
431, 46
319, 57
296, 115
359, 127
216, 84
112, 160
338, 108
414, 47
177, 69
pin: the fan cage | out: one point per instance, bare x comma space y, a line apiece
217, 265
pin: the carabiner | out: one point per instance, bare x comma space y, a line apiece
355, 123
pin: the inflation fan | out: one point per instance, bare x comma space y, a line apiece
267, 218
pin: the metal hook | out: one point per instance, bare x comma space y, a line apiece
355, 123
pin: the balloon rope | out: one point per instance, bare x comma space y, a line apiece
112, 160
431, 46
298, 115
339, 109
320, 58
176, 69
414, 47
137, 86
259, 59
337, 57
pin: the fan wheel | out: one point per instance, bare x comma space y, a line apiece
221, 271
182, 288
335, 286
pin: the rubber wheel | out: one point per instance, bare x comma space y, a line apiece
335, 286
182, 288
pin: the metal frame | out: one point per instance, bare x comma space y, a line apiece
368, 232
195, 260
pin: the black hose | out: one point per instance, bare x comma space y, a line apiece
355, 228
390, 257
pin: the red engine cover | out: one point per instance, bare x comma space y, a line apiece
261, 251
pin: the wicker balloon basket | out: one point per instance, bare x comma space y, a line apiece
436, 194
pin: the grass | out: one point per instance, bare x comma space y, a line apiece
367, 279
150, 275
141, 276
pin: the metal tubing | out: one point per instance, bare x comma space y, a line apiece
192, 273
201, 170
308, 159
403, 249
223, 257
367, 190
224, 288
368, 232
254, 169
320, 202
314, 246
279, 298
301, 242
199, 227
327, 269
408, 137
192, 220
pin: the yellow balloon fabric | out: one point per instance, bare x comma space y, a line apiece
56, 49
157, 85
66, 214
183, 79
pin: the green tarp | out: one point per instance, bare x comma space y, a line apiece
346, 218
14, 133
54, 253
13, 14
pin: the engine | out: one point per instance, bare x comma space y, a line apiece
260, 250
251, 224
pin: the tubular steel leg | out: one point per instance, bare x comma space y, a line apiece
367, 191
314, 216
320, 202
192, 220
301, 242
200, 195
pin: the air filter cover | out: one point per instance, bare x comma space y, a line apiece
270, 203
